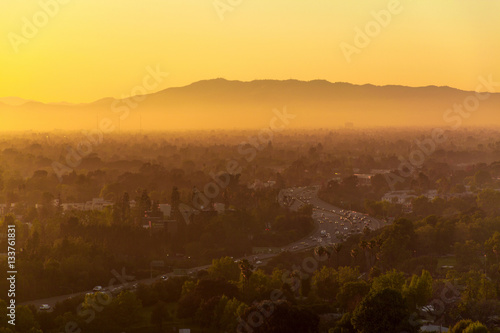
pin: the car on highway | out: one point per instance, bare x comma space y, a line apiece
97, 288
44, 307
116, 290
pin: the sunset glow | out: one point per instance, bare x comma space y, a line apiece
94, 49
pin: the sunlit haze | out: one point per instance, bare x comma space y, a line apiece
94, 49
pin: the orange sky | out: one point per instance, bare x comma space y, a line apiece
89, 49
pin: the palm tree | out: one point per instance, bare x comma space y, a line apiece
372, 250
354, 254
320, 251
337, 247
246, 269
364, 245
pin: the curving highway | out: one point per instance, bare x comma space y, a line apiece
332, 225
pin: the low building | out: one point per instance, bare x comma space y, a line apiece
364, 179
95, 204
159, 224
5, 209
166, 209
399, 197
433, 328
258, 184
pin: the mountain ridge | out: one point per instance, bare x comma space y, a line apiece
221, 103
21, 101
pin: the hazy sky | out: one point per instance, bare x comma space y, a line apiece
91, 49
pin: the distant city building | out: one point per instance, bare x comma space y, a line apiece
433, 328
406, 197
258, 184
166, 209
380, 171
399, 197
159, 224
219, 207
6, 208
95, 204
364, 178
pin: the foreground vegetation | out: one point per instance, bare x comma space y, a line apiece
436, 262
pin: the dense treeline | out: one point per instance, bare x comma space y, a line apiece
437, 262
412, 272
71, 252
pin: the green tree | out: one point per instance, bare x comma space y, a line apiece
482, 177
492, 247
478, 287
3, 313
232, 310
188, 287
419, 291
344, 325
351, 293
5, 330
125, 309
279, 317
460, 326
25, 319
160, 314
399, 243
381, 312
224, 268
476, 327
467, 253
392, 279
258, 287
326, 283
245, 269
489, 201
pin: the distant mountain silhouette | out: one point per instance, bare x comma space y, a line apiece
13, 101
220, 103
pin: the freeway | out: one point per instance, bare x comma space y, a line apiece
332, 224
336, 223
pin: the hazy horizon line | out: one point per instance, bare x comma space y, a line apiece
30, 100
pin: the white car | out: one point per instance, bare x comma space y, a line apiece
44, 307
97, 288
